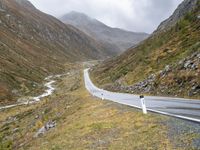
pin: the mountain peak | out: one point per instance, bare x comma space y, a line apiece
77, 18
25, 3
185, 7
77, 13
116, 39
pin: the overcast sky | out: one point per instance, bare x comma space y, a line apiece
133, 15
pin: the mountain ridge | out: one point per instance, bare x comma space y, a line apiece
183, 8
34, 44
117, 38
165, 64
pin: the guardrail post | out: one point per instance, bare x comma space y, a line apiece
144, 109
102, 97
28, 101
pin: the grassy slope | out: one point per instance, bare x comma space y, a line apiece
83, 122
34, 45
153, 54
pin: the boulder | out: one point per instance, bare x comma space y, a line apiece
187, 64
198, 55
49, 125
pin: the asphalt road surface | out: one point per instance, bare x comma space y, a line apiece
177, 107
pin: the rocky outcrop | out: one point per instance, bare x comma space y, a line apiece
48, 126
181, 78
25, 3
185, 7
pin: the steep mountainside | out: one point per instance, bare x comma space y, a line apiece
167, 63
185, 7
117, 40
34, 44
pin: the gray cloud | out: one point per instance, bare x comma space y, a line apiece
134, 15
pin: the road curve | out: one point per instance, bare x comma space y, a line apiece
177, 107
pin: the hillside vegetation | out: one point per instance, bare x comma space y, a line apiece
167, 63
34, 45
85, 122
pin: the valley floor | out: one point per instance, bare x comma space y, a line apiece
80, 121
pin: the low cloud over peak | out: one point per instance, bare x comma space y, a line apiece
134, 15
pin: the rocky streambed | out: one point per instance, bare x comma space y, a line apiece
50, 80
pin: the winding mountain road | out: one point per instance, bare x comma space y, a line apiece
177, 107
